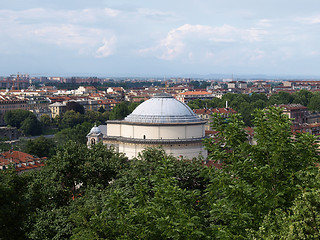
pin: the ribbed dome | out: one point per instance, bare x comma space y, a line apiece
95, 130
162, 109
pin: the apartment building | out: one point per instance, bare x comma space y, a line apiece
186, 97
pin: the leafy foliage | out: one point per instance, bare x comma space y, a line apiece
150, 199
24, 120
256, 179
122, 110
247, 104
269, 190
13, 209
75, 106
77, 134
45, 120
41, 147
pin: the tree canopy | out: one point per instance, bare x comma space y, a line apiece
75, 106
246, 104
266, 190
122, 110
24, 120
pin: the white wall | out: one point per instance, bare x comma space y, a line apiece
150, 132
187, 151
113, 129
156, 132
194, 131
127, 131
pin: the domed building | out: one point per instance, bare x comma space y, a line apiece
160, 121
95, 136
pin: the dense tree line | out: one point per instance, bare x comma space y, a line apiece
122, 110
23, 120
74, 125
105, 85
246, 104
265, 191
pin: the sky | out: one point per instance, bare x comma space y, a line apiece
159, 38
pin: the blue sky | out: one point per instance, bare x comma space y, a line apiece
160, 38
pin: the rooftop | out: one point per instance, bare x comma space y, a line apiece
162, 108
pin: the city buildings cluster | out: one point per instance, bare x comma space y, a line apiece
21, 161
19, 92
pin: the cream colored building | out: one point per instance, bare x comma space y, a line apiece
160, 121
57, 109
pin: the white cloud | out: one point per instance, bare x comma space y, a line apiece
188, 36
51, 15
266, 23
155, 14
313, 53
308, 20
107, 48
56, 27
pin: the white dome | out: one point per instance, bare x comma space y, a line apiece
95, 130
162, 109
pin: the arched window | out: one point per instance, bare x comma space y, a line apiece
93, 141
144, 136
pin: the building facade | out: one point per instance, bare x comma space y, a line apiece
160, 121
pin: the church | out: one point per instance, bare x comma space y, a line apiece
160, 121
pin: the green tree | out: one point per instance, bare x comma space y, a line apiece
31, 126
14, 208
94, 117
41, 147
57, 120
4, 146
255, 179
71, 119
146, 201
122, 110
75, 106
67, 176
52, 224
303, 97
76, 134
101, 109
314, 103
45, 120
254, 97
15, 117
24, 120
280, 98
132, 106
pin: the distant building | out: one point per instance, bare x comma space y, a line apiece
57, 109
297, 112
303, 120
237, 85
9, 133
21, 161
8, 103
39, 105
186, 97
82, 90
206, 114
107, 104
160, 121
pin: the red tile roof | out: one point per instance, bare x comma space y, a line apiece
293, 107
194, 93
214, 110
211, 163
22, 161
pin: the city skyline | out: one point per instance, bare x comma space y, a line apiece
153, 38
